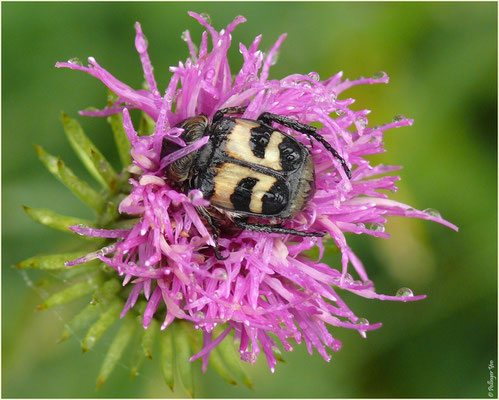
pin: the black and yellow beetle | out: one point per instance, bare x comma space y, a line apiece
247, 169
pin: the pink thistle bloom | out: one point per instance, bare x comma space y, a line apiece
267, 284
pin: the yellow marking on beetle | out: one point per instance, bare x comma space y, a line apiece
263, 185
229, 175
238, 145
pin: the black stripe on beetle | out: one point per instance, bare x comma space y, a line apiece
241, 198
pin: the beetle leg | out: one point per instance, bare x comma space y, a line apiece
214, 228
241, 223
229, 110
308, 130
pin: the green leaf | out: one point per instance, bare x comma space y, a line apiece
218, 365
104, 294
231, 357
124, 223
50, 262
145, 344
72, 292
97, 329
106, 291
116, 349
182, 356
64, 174
148, 336
110, 213
56, 221
70, 273
80, 320
91, 157
167, 361
138, 357
120, 138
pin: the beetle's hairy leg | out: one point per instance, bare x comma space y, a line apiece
243, 224
214, 228
308, 130
229, 110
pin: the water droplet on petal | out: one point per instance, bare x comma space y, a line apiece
362, 322
379, 75
340, 112
220, 274
362, 122
179, 296
432, 212
184, 36
333, 96
348, 278
75, 61
314, 75
209, 74
376, 227
200, 315
398, 118
206, 17
404, 292
274, 59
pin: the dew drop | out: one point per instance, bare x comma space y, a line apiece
184, 36
368, 283
362, 122
376, 227
379, 75
179, 296
206, 17
362, 322
333, 96
200, 315
348, 278
340, 112
432, 212
209, 74
404, 292
274, 59
66, 263
398, 118
314, 75
75, 61
220, 274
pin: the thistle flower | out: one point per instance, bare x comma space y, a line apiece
270, 290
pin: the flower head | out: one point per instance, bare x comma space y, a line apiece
268, 284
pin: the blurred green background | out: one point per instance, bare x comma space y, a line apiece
442, 61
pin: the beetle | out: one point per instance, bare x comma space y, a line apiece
247, 169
